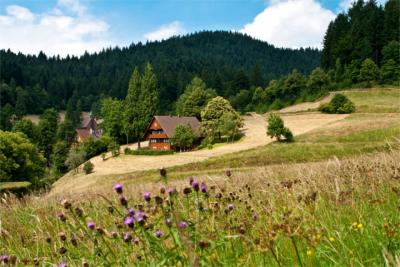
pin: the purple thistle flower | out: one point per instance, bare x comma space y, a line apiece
196, 185
62, 216
118, 188
147, 196
136, 240
158, 233
4, 258
63, 264
127, 237
129, 221
130, 212
114, 234
171, 191
255, 216
230, 206
182, 225
140, 216
191, 179
91, 225
203, 188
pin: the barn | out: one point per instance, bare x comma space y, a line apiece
161, 128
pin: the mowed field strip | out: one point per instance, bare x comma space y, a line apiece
255, 135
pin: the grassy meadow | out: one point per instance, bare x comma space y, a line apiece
331, 198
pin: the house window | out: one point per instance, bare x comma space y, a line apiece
152, 141
166, 140
158, 131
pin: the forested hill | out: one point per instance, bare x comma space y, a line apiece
226, 61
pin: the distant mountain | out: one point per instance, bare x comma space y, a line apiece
226, 61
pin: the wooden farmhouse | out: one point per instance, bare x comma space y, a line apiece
161, 128
88, 128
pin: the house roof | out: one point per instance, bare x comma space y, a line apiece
169, 123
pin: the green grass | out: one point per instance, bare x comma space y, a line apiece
375, 100
14, 186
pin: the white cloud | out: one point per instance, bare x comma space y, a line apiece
165, 31
344, 5
68, 29
291, 23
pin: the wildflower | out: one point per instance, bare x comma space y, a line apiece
123, 200
182, 225
127, 237
187, 190
91, 225
74, 241
255, 216
167, 221
63, 264
171, 191
230, 206
195, 185
159, 200
78, 211
218, 195
309, 253
114, 234
147, 196
129, 221
228, 172
158, 233
62, 250
62, 216
66, 204
136, 240
62, 236
360, 226
242, 230
331, 238
191, 179
118, 188
162, 190
4, 258
163, 172
130, 212
203, 188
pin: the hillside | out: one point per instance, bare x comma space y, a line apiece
226, 61
253, 149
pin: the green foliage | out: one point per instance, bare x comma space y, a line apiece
141, 103
317, 81
66, 131
229, 127
114, 148
6, 114
28, 128
93, 147
20, 159
147, 152
74, 159
112, 113
216, 57
276, 128
390, 72
339, 104
369, 71
59, 156
194, 98
183, 137
213, 113
391, 51
47, 132
88, 167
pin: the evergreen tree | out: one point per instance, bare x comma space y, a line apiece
47, 132
28, 128
59, 156
21, 106
390, 72
6, 116
131, 105
112, 113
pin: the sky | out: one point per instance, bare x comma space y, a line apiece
62, 27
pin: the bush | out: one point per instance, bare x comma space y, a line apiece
114, 148
75, 158
277, 129
148, 152
88, 167
339, 104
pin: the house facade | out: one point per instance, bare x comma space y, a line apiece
88, 128
161, 128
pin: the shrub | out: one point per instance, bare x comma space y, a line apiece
114, 148
339, 104
148, 152
75, 158
88, 167
277, 129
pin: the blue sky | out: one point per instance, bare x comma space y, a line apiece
73, 26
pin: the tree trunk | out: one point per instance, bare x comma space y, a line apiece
138, 143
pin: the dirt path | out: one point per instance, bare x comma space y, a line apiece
255, 135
